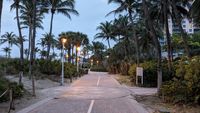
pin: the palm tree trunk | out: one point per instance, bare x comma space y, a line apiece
33, 50
21, 43
69, 54
1, 8
29, 44
135, 38
178, 21
76, 56
150, 27
50, 33
72, 54
108, 43
166, 27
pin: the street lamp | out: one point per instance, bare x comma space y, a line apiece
77, 58
91, 62
63, 41
97, 63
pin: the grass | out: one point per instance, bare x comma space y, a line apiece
126, 80
155, 103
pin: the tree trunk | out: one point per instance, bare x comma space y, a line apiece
108, 42
30, 35
72, 54
50, 33
69, 54
21, 43
76, 56
1, 8
150, 27
135, 38
168, 37
33, 50
178, 21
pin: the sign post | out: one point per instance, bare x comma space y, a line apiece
139, 73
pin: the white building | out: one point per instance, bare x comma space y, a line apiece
187, 24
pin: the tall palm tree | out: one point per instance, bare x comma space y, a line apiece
64, 7
123, 34
32, 55
152, 32
1, 8
9, 38
105, 32
130, 6
26, 10
160, 13
178, 13
16, 5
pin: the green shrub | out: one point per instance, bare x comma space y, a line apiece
149, 73
185, 86
70, 70
5, 84
132, 73
42, 67
99, 68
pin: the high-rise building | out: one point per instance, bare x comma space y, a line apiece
187, 24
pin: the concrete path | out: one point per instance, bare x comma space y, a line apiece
93, 93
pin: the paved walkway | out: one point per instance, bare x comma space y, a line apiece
93, 93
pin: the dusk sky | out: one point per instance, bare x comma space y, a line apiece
92, 12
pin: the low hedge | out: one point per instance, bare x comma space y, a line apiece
98, 68
42, 67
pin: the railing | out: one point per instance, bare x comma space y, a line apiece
10, 91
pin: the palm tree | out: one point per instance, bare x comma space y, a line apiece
160, 13
46, 40
1, 8
32, 55
7, 51
26, 10
123, 34
9, 38
130, 6
97, 50
106, 32
152, 32
16, 5
64, 7
178, 12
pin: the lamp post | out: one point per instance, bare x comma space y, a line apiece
77, 58
63, 41
91, 62
97, 63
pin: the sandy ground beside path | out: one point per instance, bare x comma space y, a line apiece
148, 99
44, 89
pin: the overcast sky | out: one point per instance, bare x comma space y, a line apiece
92, 12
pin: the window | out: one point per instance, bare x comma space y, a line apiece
183, 22
190, 30
184, 26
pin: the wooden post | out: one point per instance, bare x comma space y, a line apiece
11, 105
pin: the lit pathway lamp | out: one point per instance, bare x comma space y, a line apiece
91, 61
63, 41
77, 64
97, 63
